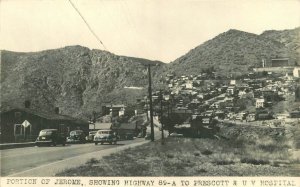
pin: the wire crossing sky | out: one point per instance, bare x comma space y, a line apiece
87, 24
152, 29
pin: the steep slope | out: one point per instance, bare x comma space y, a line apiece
232, 52
290, 38
75, 79
79, 80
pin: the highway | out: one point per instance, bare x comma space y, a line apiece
22, 159
38, 161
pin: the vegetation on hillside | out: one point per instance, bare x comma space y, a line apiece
79, 80
254, 155
75, 79
236, 52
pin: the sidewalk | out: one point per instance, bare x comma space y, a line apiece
16, 145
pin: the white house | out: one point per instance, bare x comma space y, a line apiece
260, 103
296, 72
232, 82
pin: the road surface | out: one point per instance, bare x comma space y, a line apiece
23, 159
37, 161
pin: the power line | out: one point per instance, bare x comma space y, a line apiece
87, 24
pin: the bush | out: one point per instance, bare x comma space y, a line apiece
206, 152
255, 161
92, 161
224, 162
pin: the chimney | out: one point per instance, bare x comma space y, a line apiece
56, 110
27, 104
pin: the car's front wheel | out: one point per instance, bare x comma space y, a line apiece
96, 143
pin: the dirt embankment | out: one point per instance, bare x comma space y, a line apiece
230, 131
241, 151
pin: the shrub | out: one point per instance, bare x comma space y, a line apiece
92, 161
206, 152
255, 161
170, 155
224, 162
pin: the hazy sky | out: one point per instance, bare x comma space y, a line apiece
153, 29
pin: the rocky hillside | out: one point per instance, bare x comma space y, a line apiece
79, 80
75, 79
235, 52
290, 38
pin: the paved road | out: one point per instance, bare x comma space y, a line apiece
22, 159
33, 161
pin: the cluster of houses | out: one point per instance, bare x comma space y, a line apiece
124, 129
197, 99
247, 99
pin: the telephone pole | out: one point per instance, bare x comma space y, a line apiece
150, 103
161, 117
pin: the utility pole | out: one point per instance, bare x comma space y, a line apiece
147, 109
150, 103
161, 116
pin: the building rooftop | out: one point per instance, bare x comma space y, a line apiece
49, 116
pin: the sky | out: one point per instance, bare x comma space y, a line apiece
153, 29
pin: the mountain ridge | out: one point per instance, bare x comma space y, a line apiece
80, 80
233, 52
71, 78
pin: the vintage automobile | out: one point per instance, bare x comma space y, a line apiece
148, 136
105, 136
174, 134
129, 136
76, 136
50, 137
140, 135
91, 135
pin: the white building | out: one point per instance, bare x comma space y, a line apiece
122, 112
260, 103
296, 72
232, 82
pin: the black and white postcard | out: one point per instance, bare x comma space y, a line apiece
162, 93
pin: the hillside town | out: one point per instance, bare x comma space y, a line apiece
265, 96
160, 89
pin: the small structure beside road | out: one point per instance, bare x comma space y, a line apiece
24, 124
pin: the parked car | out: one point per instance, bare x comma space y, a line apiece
76, 136
148, 136
140, 135
91, 135
50, 137
174, 134
105, 136
129, 136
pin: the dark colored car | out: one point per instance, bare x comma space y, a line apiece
91, 135
50, 137
148, 136
105, 136
76, 136
129, 136
140, 135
